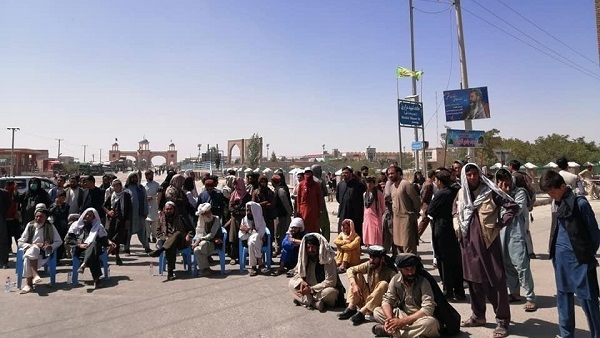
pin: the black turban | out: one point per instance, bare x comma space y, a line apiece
407, 260
376, 251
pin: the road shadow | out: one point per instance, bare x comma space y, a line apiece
109, 283
535, 327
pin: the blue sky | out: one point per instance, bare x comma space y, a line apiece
300, 74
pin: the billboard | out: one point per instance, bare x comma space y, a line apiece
410, 113
464, 138
466, 104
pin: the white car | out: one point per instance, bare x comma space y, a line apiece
23, 182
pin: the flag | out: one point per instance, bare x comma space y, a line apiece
403, 72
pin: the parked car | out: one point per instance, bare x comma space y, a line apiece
23, 182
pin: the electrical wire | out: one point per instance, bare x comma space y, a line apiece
547, 33
575, 67
532, 38
428, 12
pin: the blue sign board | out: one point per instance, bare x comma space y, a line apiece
411, 113
464, 138
417, 145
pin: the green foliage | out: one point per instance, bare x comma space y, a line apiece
273, 157
254, 150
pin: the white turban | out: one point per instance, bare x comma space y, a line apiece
297, 222
202, 208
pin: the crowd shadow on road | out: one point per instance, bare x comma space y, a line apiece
535, 327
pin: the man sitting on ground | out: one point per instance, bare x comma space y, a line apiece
175, 232
314, 284
408, 305
38, 241
88, 236
368, 283
291, 247
252, 229
208, 235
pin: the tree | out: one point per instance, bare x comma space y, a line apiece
273, 157
254, 147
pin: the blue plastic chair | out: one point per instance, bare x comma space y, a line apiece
265, 250
186, 253
220, 252
76, 264
50, 264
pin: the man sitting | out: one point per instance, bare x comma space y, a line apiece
348, 245
408, 305
175, 232
88, 236
38, 241
291, 247
208, 235
252, 229
314, 284
368, 283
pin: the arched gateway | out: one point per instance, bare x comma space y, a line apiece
143, 154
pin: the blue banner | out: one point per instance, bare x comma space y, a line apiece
463, 138
466, 104
411, 113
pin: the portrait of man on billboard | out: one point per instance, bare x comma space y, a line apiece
477, 108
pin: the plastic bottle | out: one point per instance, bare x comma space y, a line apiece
7, 285
108, 272
151, 269
69, 278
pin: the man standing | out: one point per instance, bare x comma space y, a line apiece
175, 232
574, 241
368, 283
314, 284
60, 186
408, 305
74, 195
586, 176
426, 196
212, 196
283, 210
405, 209
309, 201
349, 195
13, 224
139, 212
152, 197
324, 223
93, 197
571, 179
5, 238
478, 223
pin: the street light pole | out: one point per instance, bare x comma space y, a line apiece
58, 153
12, 151
267, 152
413, 78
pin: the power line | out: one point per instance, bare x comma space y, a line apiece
428, 12
577, 68
532, 38
547, 33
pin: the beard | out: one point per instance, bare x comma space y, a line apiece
207, 219
39, 225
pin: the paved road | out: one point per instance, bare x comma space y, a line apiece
235, 305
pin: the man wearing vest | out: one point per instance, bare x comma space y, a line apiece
38, 241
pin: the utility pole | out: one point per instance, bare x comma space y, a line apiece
84, 149
12, 151
463, 63
413, 78
58, 153
100, 159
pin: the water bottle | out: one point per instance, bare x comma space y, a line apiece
108, 272
69, 278
151, 269
7, 285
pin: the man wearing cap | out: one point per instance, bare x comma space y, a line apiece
38, 241
408, 305
368, 283
309, 202
314, 284
212, 196
208, 235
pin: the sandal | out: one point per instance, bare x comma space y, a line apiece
530, 306
473, 322
500, 332
276, 272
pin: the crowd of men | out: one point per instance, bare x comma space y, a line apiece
480, 236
